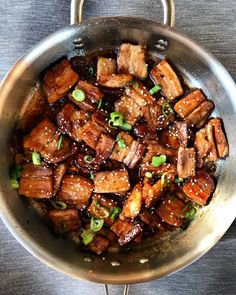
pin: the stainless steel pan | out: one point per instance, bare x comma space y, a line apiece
156, 258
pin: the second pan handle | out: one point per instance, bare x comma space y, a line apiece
168, 11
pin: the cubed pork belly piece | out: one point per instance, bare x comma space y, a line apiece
182, 133
131, 59
156, 149
132, 205
90, 133
92, 96
102, 207
40, 207
212, 154
139, 93
104, 148
173, 210
64, 220
112, 181
58, 173
142, 130
99, 244
158, 171
152, 193
76, 190
203, 146
169, 138
105, 66
126, 230
135, 154
199, 188
70, 120
44, 139
200, 115
58, 80
186, 164
100, 117
129, 108
120, 152
164, 75
36, 181
153, 221
221, 143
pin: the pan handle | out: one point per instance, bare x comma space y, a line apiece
125, 292
168, 10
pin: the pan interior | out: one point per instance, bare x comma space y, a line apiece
155, 258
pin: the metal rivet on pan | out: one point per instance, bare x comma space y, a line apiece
161, 44
78, 42
115, 263
87, 259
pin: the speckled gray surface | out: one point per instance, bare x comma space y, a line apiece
23, 24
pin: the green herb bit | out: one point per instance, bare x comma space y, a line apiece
114, 213
120, 141
190, 214
158, 160
14, 183
60, 145
15, 173
155, 89
78, 94
36, 158
87, 236
91, 176
90, 72
89, 159
179, 180
126, 126
167, 110
101, 211
100, 104
59, 205
116, 116
148, 174
96, 223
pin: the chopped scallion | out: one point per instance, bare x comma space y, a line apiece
190, 214
15, 173
36, 158
158, 160
126, 126
59, 205
155, 89
114, 213
89, 159
87, 236
99, 104
120, 141
148, 174
14, 183
91, 176
167, 110
90, 72
96, 223
179, 180
117, 120
78, 94
60, 145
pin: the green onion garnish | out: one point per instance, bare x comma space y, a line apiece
15, 173
158, 160
148, 174
114, 213
60, 145
167, 110
91, 176
100, 211
90, 72
117, 120
155, 89
96, 223
191, 213
179, 180
87, 236
14, 183
59, 205
89, 159
120, 141
78, 94
36, 158
100, 104
116, 116
126, 126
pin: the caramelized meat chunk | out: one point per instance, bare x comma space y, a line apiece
155, 149
169, 138
36, 181
70, 120
101, 118
220, 138
199, 188
76, 190
121, 151
59, 80
127, 230
172, 210
58, 174
158, 171
152, 220
104, 148
99, 244
135, 154
101, 207
131, 59
44, 139
139, 93
164, 75
132, 205
152, 193
203, 146
112, 181
186, 163
105, 66
64, 220
90, 133
182, 132
200, 115
144, 131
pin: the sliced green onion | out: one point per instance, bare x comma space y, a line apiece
60, 145
78, 94
133, 83
89, 159
116, 116
120, 141
148, 174
14, 183
59, 205
15, 173
179, 180
90, 72
96, 223
167, 110
100, 211
100, 104
91, 176
36, 158
158, 160
191, 213
117, 122
126, 126
155, 89
87, 236
114, 213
